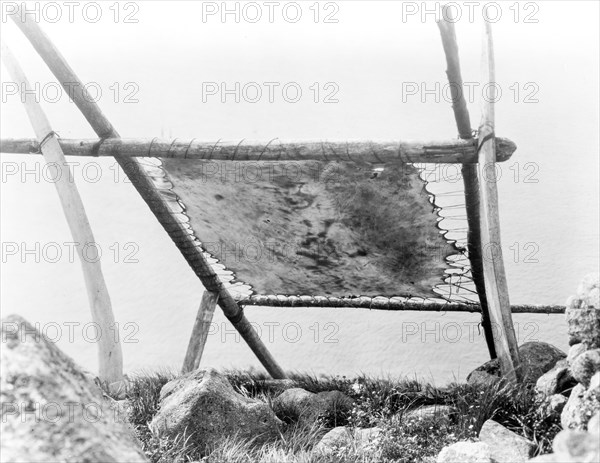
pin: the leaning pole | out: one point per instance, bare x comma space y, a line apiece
110, 356
187, 244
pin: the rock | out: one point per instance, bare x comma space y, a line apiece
555, 404
586, 365
296, 399
593, 299
547, 458
203, 403
591, 398
121, 408
570, 416
595, 382
51, 410
443, 413
483, 377
584, 326
555, 381
537, 358
278, 385
307, 406
581, 406
571, 446
342, 436
575, 351
576, 446
505, 445
583, 313
587, 291
466, 452
594, 424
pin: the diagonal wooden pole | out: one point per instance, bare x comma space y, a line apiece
110, 357
186, 243
496, 286
468, 171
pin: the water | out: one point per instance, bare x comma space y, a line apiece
548, 191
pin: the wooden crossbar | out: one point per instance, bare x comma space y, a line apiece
445, 151
385, 303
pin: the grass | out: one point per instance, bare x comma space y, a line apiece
378, 402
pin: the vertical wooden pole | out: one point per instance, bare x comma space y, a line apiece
496, 286
200, 331
178, 232
468, 171
110, 357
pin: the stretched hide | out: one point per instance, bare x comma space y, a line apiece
313, 228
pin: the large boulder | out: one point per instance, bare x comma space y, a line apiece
537, 358
305, 406
51, 409
465, 452
202, 404
505, 445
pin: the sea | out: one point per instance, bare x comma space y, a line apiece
339, 71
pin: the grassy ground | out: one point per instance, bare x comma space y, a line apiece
378, 402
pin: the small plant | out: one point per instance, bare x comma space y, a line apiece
143, 396
417, 439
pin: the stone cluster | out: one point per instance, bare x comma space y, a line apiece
569, 386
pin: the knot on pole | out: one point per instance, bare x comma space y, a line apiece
489, 136
47, 137
96, 146
235, 319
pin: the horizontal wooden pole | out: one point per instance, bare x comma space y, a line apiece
385, 303
448, 151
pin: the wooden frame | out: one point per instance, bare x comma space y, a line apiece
481, 201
